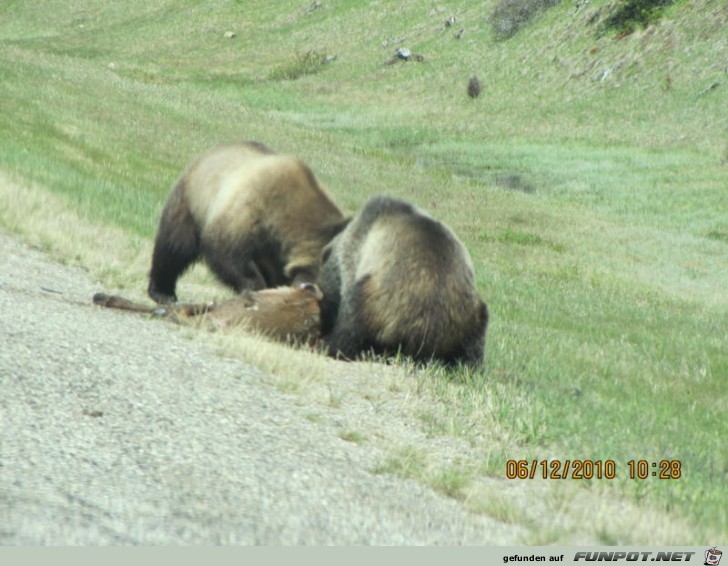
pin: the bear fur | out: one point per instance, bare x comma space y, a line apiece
396, 280
288, 314
257, 218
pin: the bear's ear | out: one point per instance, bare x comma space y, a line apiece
335, 228
326, 253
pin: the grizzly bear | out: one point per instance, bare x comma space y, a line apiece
395, 281
257, 218
288, 314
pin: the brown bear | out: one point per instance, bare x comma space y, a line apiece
287, 314
259, 220
396, 280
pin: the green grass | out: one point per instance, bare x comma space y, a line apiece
589, 182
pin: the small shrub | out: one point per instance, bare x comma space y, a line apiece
718, 236
452, 481
304, 64
631, 14
509, 16
406, 462
353, 436
520, 238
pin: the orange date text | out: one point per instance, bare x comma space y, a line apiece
561, 469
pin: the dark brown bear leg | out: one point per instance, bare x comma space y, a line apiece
171, 257
167, 265
329, 281
349, 337
176, 246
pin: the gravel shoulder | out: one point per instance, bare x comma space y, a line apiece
120, 430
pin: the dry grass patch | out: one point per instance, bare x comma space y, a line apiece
576, 513
115, 258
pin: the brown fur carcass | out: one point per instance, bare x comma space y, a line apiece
258, 219
396, 280
288, 314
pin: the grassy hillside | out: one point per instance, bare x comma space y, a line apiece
589, 180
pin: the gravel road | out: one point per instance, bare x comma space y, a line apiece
120, 430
